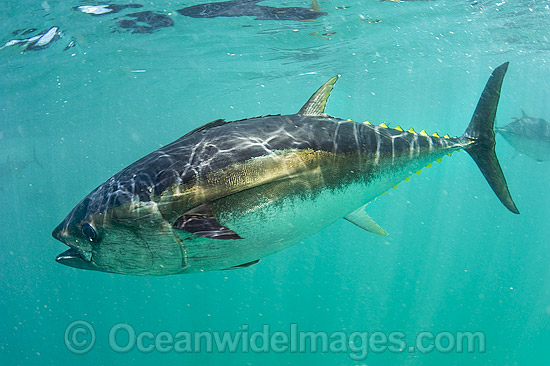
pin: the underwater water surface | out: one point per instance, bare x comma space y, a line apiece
101, 95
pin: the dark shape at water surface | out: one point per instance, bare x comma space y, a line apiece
145, 22
529, 136
241, 8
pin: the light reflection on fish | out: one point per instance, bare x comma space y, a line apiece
229, 193
529, 136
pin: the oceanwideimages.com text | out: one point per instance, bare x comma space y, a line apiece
80, 338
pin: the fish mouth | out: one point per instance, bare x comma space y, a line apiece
74, 257
77, 259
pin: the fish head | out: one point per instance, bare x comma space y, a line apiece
126, 236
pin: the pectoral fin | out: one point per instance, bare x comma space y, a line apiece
244, 265
360, 218
201, 222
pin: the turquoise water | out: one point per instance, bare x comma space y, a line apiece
455, 259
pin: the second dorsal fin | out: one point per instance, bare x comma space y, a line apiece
315, 6
523, 114
315, 106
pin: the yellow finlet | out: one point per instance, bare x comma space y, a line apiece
423, 133
367, 123
407, 179
447, 136
450, 154
429, 165
395, 186
439, 160
411, 130
383, 194
418, 172
435, 134
350, 120
383, 125
398, 128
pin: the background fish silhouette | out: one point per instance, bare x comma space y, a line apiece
529, 136
240, 8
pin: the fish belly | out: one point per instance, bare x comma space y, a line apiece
271, 218
538, 150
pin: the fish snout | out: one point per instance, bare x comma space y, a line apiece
57, 233
78, 247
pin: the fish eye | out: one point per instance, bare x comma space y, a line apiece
88, 231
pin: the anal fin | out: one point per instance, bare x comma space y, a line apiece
201, 222
244, 265
360, 218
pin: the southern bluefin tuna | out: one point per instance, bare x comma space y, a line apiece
229, 193
529, 136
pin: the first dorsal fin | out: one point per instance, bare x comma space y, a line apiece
216, 123
315, 106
